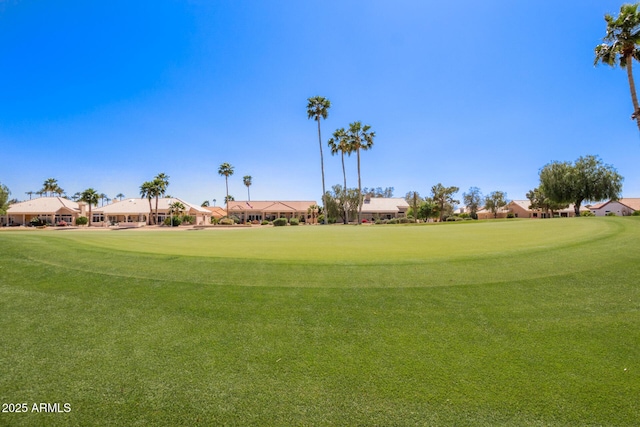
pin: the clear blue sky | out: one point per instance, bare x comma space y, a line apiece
108, 94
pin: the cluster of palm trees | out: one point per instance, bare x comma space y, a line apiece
357, 137
154, 189
227, 170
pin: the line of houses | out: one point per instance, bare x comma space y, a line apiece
135, 212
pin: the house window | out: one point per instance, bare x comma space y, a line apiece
97, 218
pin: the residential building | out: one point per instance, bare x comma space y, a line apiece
623, 207
51, 210
384, 208
135, 212
269, 210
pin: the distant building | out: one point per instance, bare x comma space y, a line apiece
622, 207
51, 210
135, 212
384, 208
269, 210
520, 209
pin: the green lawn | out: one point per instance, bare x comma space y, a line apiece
487, 323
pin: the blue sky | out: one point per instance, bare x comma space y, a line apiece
108, 94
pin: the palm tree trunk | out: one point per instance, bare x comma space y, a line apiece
359, 188
344, 174
156, 216
248, 194
226, 182
632, 88
150, 211
324, 201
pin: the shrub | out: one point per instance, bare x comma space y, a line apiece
364, 220
610, 214
464, 216
294, 221
226, 221
511, 215
393, 221
173, 221
62, 223
188, 219
320, 218
265, 222
587, 213
280, 222
82, 220
406, 220
332, 221
37, 222
635, 213
214, 220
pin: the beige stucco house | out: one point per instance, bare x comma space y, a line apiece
384, 208
270, 210
520, 209
51, 210
623, 207
135, 212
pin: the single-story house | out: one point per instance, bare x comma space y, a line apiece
51, 210
384, 208
135, 212
270, 210
520, 209
217, 212
623, 207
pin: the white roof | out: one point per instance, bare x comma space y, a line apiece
43, 205
384, 204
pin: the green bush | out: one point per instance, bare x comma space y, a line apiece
214, 220
37, 222
188, 219
265, 222
226, 221
511, 215
294, 221
610, 214
587, 213
172, 221
393, 221
280, 222
82, 220
464, 216
635, 213
332, 220
320, 218
406, 220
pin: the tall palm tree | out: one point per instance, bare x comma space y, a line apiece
160, 182
247, 181
29, 193
147, 190
340, 144
102, 197
360, 138
318, 107
119, 196
205, 204
620, 47
226, 170
91, 197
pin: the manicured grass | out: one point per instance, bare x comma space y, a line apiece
494, 323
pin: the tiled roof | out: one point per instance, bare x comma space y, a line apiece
141, 206
43, 205
270, 206
632, 202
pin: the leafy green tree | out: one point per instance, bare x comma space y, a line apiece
226, 170
147, 191
540, 201
443, 197
90, 197
342, 203
4, 199
620, 47
428, 209
318, 108
414, 200
247, 180
495, 201
360, 138
473, 201
587, 180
